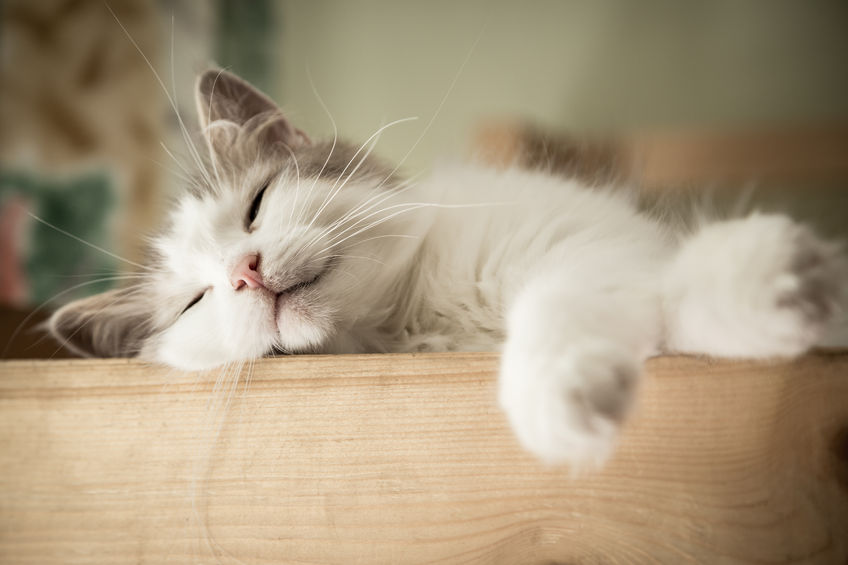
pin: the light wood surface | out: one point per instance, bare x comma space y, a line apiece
407, 459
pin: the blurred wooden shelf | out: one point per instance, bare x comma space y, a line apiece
676, 159
23, 337
407, 459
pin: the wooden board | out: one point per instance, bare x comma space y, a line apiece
663, 160
407, 459
22, 335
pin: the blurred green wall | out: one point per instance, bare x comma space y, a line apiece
593, 65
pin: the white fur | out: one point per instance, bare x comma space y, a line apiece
574, 284
757, 287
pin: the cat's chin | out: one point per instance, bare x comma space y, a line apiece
301, 322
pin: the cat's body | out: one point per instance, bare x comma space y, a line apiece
500, 230
299, 247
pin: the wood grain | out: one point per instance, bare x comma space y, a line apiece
406, 459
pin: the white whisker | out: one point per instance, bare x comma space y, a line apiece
332, 147
192, 149
84, 242
439, 107
335, 189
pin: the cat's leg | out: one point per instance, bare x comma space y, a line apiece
572, 359
763, 286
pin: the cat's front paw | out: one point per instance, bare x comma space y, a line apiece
806, 292
568, 406
785, 287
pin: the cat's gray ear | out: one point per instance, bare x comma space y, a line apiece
111, 324
223, 99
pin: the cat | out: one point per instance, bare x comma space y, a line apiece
286, 245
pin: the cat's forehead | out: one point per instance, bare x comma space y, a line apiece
203, 230
234, 177
198, 218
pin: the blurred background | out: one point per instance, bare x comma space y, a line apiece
721, 96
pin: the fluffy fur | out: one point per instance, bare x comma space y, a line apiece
575, 286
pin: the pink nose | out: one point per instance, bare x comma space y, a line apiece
244, 274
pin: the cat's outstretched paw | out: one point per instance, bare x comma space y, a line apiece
758, 287
568, 407
805, 293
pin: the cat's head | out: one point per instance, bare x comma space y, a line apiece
283, 245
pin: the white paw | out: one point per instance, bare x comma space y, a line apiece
798, 296
758, 287
805, 293
567, 407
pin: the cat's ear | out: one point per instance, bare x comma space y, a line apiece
111, 324
224, 99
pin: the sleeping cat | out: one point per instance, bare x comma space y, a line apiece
288, 245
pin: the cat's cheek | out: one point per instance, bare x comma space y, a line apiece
173, 349
303, 322
207, 338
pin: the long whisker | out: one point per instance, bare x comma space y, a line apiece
190, 144
297, 182
407, 207
368, 204
249, 376
386, 236
174, 158
84, 242
411, 205
346, 256
110, 274
332, 147
209, 124
335, 189
439, 107
184, 176
175, 97
215, 418
380, 196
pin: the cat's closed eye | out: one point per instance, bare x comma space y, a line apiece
254, 206
194, 301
